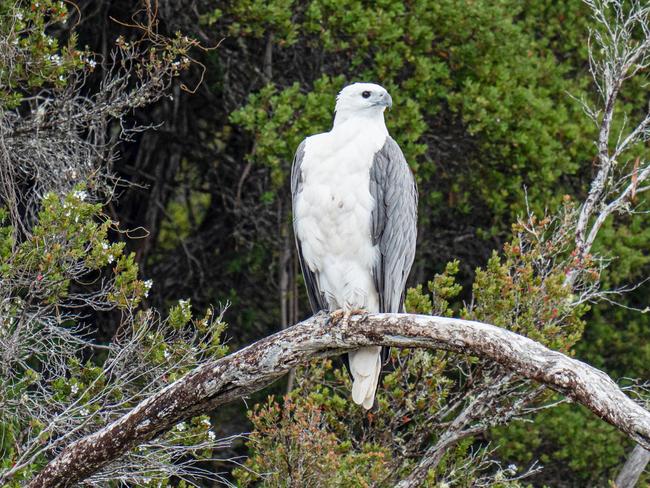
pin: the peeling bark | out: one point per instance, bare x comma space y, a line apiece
261, 363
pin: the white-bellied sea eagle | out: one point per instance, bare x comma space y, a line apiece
354, 217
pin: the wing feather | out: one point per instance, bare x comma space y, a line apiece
316, 297
394, 224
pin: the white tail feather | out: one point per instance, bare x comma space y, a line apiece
365, 366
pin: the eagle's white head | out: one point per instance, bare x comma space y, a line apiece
366, 100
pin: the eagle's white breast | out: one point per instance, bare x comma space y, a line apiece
333, 212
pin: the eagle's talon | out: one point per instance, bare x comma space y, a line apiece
337, 315
358, 311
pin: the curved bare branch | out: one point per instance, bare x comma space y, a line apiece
263, 362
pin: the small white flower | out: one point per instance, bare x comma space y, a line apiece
147, 286
206, 422
55, 58
184, 304
80, 195
74, 389
84, 412
211, 435
19, 15
166, 354
61, 78
105, 245
180, 427
50, 41
92, 63
111, 258
512, 468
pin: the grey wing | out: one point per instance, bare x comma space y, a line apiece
394, 224
316, 298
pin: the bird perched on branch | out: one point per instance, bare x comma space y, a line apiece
354, 218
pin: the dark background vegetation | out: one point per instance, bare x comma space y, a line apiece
482, 109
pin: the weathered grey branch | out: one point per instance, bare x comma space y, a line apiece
261, 363
633, 468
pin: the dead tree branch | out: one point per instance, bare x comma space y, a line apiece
263, 362
633, 468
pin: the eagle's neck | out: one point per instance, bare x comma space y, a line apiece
369, 132
372, 117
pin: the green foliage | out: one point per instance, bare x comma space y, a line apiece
478, 64
618, 341
442, 288
47, 382
297, 448
272, 116
519, 291
573, 444
71, 233
39, 59
315, 436
257, 18
182, 213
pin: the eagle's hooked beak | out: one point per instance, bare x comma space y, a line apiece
385, 100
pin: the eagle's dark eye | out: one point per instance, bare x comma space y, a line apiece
365, 94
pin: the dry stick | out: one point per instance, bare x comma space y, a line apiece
261, 363
633, 468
